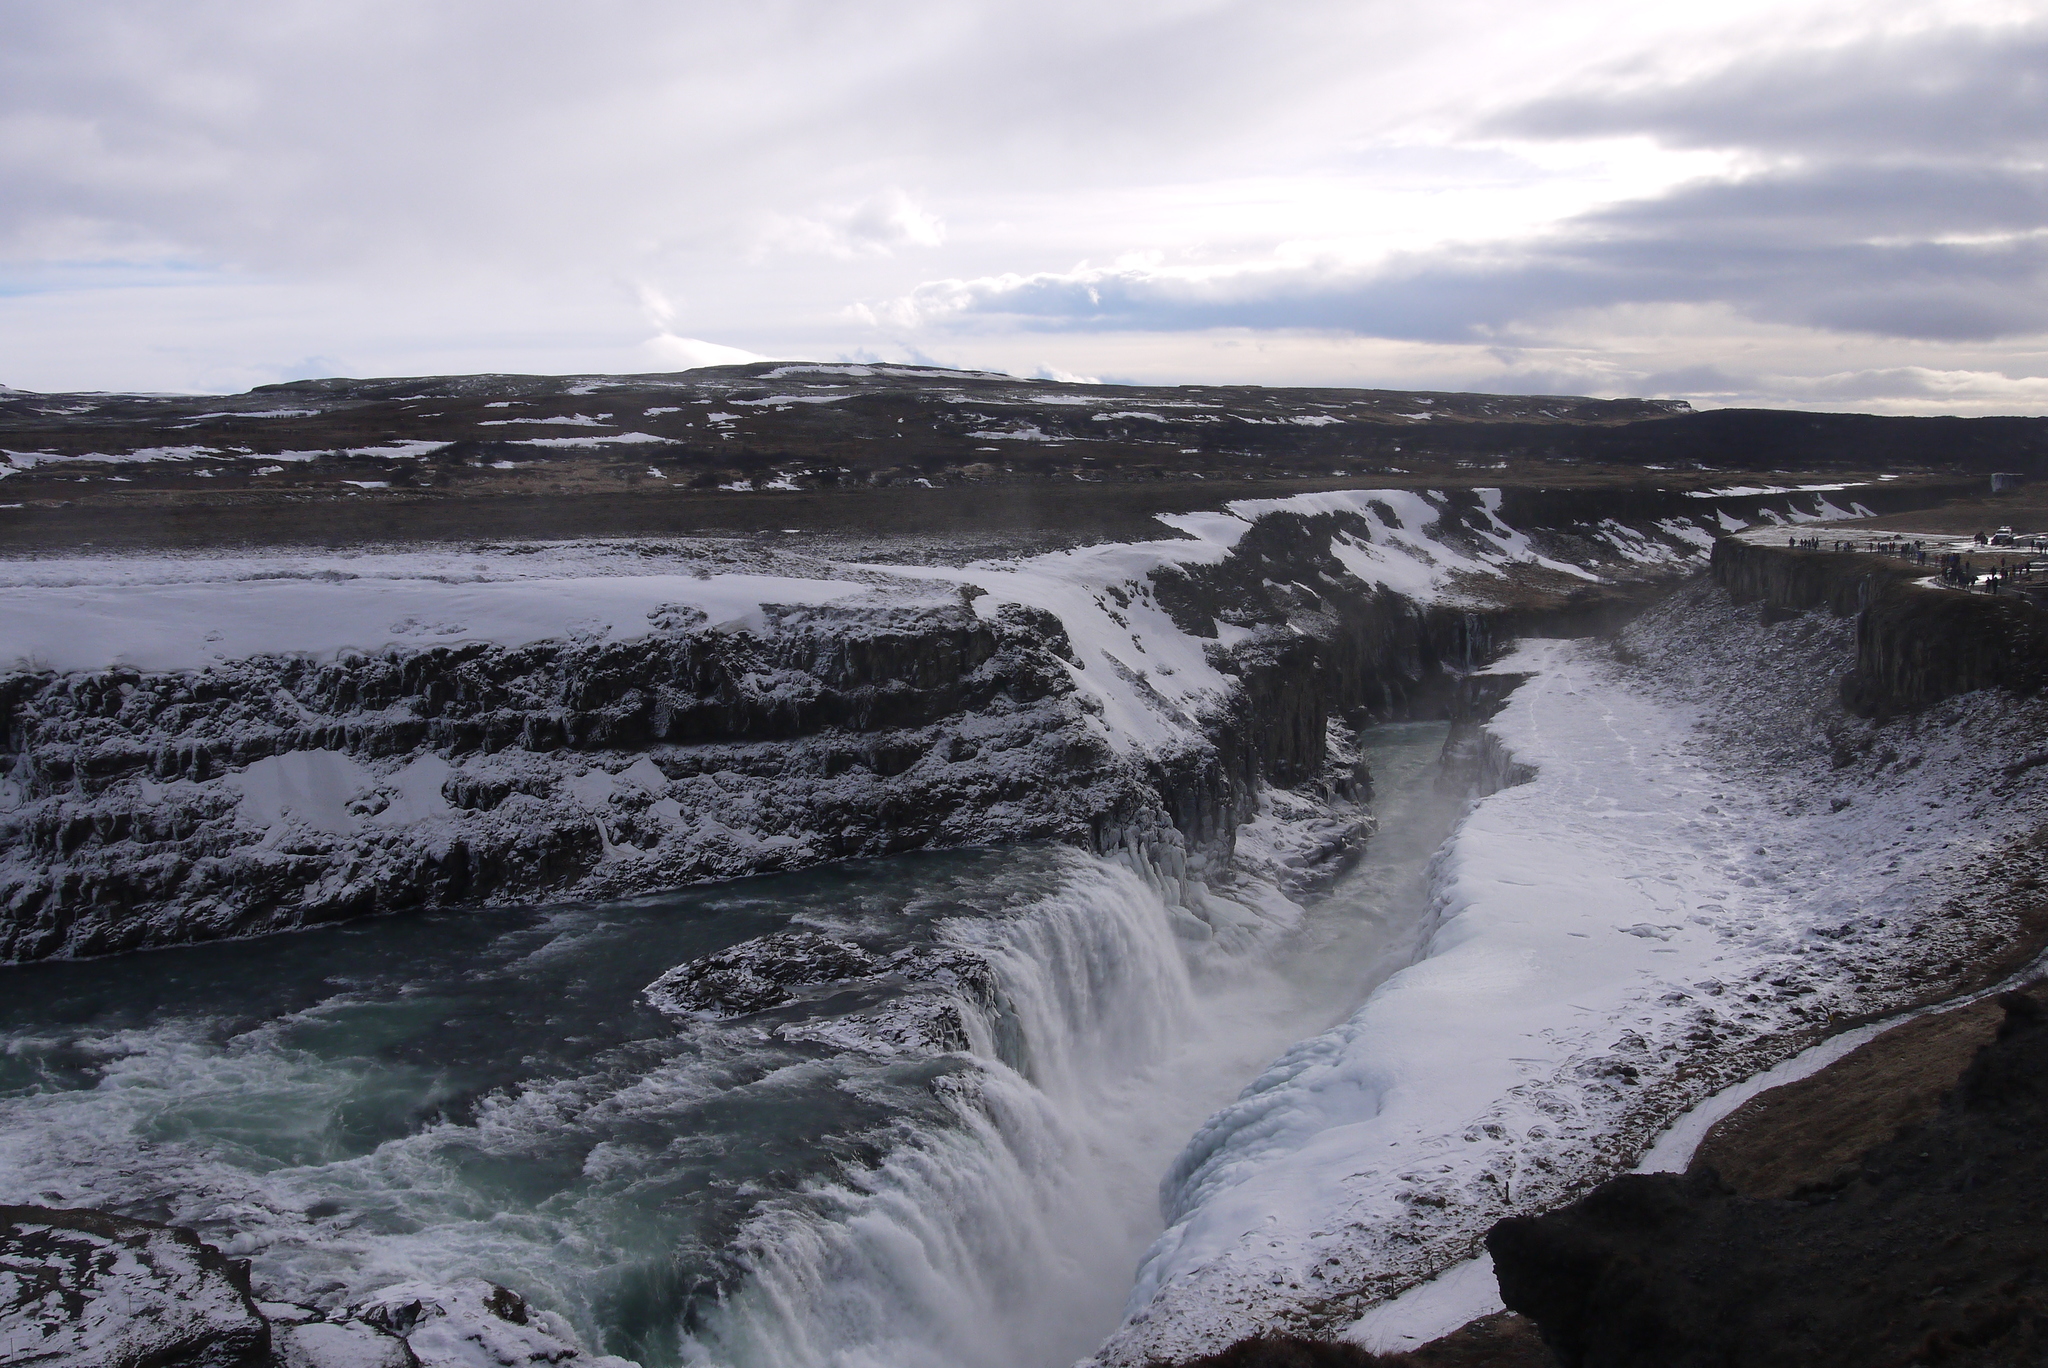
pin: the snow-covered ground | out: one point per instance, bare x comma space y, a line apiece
1710, 865
1149, 673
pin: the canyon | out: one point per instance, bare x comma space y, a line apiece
729, 946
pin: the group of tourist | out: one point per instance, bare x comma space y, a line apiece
1957, 568
1912, 550
2000, 577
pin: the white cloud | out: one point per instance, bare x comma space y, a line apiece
879, 225
212, 194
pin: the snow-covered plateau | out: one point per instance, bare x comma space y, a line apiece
910, 1111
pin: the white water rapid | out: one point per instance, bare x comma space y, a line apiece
1009, 1240
489, 1095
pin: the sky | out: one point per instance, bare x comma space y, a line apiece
1792, 203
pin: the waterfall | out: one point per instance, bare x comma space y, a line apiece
1008, 1237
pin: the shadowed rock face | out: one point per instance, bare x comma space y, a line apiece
1932, 1250
1914, 646
83, 1287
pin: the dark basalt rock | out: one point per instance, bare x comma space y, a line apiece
1914, 646
85, 1289
758, 974
1933, 1250
781, 968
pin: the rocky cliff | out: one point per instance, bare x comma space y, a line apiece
270, 789
1915, 645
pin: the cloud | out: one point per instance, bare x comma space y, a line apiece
1921, 290
203, 194
684, 353
1957, 92
1064, 377
1903, 197
687, 353
880, 225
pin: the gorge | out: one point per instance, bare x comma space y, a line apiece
749, 953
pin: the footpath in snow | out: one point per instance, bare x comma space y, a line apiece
1709, 866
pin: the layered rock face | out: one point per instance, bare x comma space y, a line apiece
1914, 646
146, 807
689, 754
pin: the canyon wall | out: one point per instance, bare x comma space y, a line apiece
1915, 645
145, 806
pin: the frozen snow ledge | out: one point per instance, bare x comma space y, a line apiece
1685, 892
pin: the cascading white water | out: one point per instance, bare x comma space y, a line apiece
1008, 1239
458, 1097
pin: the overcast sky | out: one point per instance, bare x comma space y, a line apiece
1824, 205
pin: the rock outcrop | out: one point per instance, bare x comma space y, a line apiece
1914, 645
84, 1289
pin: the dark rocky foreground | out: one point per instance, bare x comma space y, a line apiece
1931, 1248
1506, 1340
1890, 1210
84, 1289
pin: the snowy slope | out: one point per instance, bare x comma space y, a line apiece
1686, 891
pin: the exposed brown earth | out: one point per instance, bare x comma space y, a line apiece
1505, 1340
1927, 1248
1813, 1132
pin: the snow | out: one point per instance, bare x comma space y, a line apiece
1685, 892
606, 440
190, 623
141, 455
459, 1325
569, 420
782, 372
398, 451
1460, 1294
1150, 678
1031, 433
1738, 491
321, 789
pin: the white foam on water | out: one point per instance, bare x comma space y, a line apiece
1008, 1240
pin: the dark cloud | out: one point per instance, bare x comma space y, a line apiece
1961, 92
1922, 290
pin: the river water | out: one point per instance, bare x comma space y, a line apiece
490, 1095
